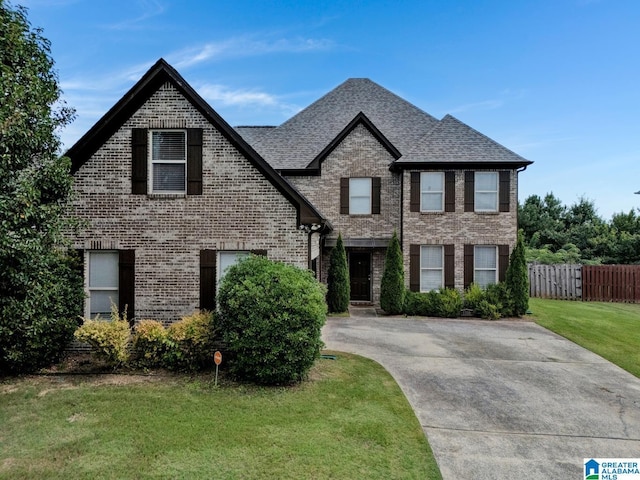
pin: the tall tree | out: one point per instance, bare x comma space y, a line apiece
392, 288
40, 290
517, 278
338, 287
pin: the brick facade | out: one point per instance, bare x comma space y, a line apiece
459, 227
238, 210
360, 154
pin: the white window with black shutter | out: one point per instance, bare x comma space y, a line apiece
168, 161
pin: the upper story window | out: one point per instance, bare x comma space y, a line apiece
432, 191
360, 196
168, 154
486, 192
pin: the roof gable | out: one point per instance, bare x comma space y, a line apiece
159, 74
359, 119
300, 140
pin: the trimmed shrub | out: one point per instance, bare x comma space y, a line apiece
270, 317
448, 303
109, 339
517, 278
473, 296
487, 310
498, 295
392, 290
420, 304
339, 289
189, 342
150, 343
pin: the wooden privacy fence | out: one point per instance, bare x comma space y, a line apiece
597, 283
611, 283
562, 281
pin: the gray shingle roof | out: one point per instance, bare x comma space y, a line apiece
419, 137
452, 141
295, 143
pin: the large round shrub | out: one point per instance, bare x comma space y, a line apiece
270, 316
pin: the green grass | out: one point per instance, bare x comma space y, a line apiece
349, 420
612, 330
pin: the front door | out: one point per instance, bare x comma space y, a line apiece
360, 276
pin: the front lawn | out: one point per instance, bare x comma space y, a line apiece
350, 420
612, 330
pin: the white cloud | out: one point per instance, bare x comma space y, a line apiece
226, 96
245, 46
150, 9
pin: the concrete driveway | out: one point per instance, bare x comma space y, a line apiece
502, 399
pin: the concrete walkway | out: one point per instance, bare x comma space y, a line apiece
504, 399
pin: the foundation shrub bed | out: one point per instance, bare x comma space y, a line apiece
446, 302
189, 342
149, 343
109, 339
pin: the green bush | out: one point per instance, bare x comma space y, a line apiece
418, 304
109, 339
38, 317
339, 289
489, 311
270, 317
190, 342
392, 290
448, 303
498, 295
150, 343
473, 296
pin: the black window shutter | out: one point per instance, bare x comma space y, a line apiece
468, 265
194, 161
139, 159
449, 191
127, 283
503, 262
260, 253
505, 187
78, 266
449, 266
344, 196
375, 195
469, 191
208, 280
414, 192
414, 268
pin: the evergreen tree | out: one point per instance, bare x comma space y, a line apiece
339, 290
392, 289
517, 278
41, 290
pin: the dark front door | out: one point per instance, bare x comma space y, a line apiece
360, 276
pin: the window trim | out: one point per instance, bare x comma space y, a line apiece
369, 196
496, 269
152, 162
423, 175
477, 191
90, 289
441, 268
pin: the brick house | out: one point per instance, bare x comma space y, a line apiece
170, 195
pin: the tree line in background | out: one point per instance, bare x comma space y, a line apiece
555, 233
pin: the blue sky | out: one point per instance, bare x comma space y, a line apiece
557, 81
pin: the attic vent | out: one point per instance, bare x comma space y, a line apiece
168, 123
